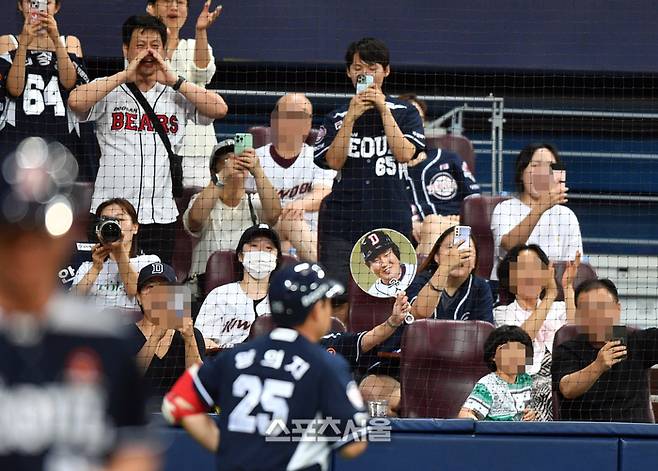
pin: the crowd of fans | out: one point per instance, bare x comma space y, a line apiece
369, 169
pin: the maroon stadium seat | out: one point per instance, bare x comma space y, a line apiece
366, 311
585, 272
569, 332
457, 144
263, 135
476, 212
183, 242
223, 268
440, 363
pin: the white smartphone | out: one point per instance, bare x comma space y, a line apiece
37, 6
462, 233
363, 81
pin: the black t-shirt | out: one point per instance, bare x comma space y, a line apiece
71, 383
162, 373
621, 393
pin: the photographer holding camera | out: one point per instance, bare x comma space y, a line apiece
111, 276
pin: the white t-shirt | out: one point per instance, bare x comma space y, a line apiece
108, 289
557, 232
227, 314
134, 163
513, 314
199, 139
222, 230
381, 290
297, 180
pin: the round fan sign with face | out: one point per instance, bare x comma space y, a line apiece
383, 262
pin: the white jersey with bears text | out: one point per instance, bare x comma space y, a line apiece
296, 181
382, 290
227, 314
134, 163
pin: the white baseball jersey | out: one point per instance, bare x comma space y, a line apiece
294, 178
134, 163
227, 314
381, 290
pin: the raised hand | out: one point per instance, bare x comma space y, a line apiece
610, 354
555, 196
248, 161
570, 272
99, 254
131, 71
49, 24
206, 17
453, 257
164, 74
400, 309
375, 96
359, 104
549, 282
30, 30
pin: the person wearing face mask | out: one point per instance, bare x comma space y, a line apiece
165, 340
529, 278
228, 311
536, 215
223, 210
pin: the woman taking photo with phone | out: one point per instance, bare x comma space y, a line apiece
536, 215
38, 69
192, 59
446, 286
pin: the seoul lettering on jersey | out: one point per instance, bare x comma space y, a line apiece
296, 190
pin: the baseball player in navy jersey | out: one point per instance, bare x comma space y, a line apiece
279, 393
66, 375
369, 141
382, 257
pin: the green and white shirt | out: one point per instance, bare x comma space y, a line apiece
493, 398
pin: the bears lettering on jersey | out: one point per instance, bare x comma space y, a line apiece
130, 122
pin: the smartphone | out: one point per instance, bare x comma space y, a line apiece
620, 332
462, 233
363, 81
243, 141
560, 175
37, 6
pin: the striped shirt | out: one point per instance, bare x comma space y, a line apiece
493, 398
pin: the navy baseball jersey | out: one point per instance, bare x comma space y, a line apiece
70, 382
269, 391
439, 184
41, 110
348, 345
471, 302
369, 191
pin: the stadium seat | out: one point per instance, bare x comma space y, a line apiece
264, 325
476, 212
183, 242
585, 272
569, 332
263, 135
223, 268
440, 363
457, 144
366, 311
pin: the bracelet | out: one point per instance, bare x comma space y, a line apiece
433, 288
179, 82
391, 325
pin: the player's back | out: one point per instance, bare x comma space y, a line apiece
269, 390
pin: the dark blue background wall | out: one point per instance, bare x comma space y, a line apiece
612, 35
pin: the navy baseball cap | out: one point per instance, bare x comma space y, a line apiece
36, 186
159, 271
259, 230
374, 243
295, 289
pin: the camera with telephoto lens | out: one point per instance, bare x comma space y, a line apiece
107, 230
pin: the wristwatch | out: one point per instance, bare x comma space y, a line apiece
179, 82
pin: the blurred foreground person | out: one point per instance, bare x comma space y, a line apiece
70, 393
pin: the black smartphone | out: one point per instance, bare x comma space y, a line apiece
620, 332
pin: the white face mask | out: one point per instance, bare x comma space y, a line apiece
259, 264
